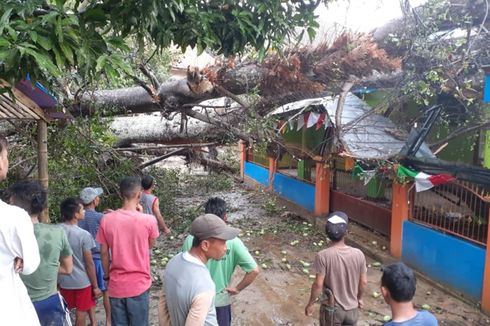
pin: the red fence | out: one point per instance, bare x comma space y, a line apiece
367, 204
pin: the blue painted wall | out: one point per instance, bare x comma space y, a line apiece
257, 172
486, 90
444, 258
294, 190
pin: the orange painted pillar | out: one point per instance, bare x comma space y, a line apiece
272, 170
322, 189
485, 298
399, 213
242, 150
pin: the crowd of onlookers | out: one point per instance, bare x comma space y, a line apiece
53, 274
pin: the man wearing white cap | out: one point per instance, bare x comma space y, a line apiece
91, 199
188, 286
341, 276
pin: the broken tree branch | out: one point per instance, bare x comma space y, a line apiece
340, 105
150, 75
459, 132
144, 148
160, 158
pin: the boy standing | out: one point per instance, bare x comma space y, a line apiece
55, 252
150, 202
398, 285
128, 234
80, 288
90, 198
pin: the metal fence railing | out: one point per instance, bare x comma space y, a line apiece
258, 157
457, 208
376, 190
301, 169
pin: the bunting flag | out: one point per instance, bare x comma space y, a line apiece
312, 119
321, 120
308, 120
306, 116
424, 181
301, 123
364, 175
279, 125
284, 128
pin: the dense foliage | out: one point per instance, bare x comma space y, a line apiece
47, 38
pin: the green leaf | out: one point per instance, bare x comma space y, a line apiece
311, 33
43, 61
59, 29
60, 3
5, 19
95, 14
100, 62
45, 42
67, 52
33, 36
12, 33
49, 18
4, 42
60, 60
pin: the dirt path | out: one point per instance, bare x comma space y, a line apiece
279, 294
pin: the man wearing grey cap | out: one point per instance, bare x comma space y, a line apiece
91, 199
341, 276
188, 286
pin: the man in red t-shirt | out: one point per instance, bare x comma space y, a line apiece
128, 234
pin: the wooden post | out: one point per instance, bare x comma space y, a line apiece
485, 298
322, 189
399, 213
42, 141
272, 170
242, 150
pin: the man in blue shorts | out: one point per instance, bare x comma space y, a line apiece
398, 285
91, 199
55, 253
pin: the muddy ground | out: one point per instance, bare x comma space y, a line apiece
272, 232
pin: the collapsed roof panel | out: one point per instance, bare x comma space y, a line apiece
365, 134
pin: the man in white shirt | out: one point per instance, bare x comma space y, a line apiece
18, 253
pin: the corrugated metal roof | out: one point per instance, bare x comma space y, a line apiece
366, 135
20, 108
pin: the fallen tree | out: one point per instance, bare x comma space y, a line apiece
279, 79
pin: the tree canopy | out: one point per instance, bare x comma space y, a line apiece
47, 38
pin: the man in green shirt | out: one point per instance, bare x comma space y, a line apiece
55, 253
222, 270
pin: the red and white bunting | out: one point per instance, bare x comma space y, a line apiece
279, 125
321, 120
312, 119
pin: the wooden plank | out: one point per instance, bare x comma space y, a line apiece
9, 108
19, 96
21, 109
6, 108
32, 113
2, 114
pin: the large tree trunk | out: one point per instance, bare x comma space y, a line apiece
154, 128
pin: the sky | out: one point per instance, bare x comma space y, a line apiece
360, 15
354, 15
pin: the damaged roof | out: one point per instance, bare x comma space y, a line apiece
365, 134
